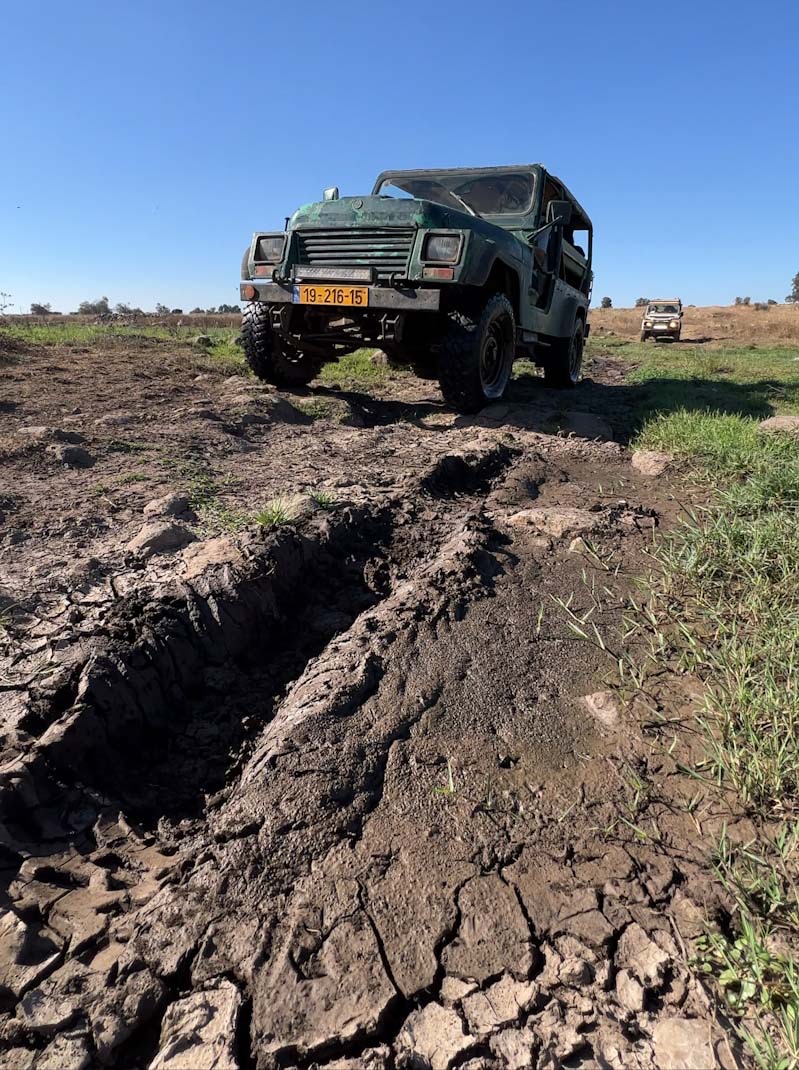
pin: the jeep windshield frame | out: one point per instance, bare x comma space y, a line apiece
491, 193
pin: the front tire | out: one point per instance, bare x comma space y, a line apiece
476, 356
270, 357
564, 362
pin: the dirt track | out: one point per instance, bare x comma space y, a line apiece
332, 795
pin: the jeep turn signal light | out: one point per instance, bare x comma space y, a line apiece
438, 273
249, 292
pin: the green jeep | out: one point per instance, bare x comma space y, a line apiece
455, 273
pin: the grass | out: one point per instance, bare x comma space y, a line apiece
278, 511
315, 408
72, 333
724, 603
204, 492
356, 369
741, 380
324, 499
124, 445
222, 355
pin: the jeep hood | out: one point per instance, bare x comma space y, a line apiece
385, 212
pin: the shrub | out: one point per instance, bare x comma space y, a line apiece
606, 303
99, 307
39, 309
641, 301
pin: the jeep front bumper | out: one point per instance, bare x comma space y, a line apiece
400, 298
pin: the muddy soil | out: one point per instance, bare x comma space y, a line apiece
351, 791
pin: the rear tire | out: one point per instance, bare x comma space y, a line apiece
269, 357
475, 356
564, 361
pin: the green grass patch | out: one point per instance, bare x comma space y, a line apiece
71, 333
205, 493
278, 511
324, 499
223, 356
724, 605
523, 369
358, 368
736, 380
316, 408
124, 445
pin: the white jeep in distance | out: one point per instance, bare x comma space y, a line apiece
662, 319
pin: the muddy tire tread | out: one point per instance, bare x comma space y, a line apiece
458, 373
264, 353
557, 372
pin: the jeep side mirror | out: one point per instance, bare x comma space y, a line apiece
330, 194
559, 212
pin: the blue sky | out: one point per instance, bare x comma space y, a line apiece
142, 143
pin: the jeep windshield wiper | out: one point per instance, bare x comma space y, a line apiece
460, 200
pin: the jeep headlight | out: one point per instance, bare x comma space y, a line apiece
442, 247
270, 248
673, 324
647, 323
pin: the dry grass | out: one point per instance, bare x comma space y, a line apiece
740, 324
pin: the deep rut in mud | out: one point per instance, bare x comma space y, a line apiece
331, 799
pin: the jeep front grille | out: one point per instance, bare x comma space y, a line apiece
387, 249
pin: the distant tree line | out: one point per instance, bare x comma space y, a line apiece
761, 306
102, 307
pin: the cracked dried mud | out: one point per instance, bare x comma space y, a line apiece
347, 791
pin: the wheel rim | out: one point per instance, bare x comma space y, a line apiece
492, 359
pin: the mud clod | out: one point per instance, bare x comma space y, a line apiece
199, 1030
434, 1038
684, 1044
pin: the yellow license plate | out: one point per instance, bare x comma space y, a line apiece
357, 296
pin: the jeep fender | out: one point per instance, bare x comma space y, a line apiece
499, 272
